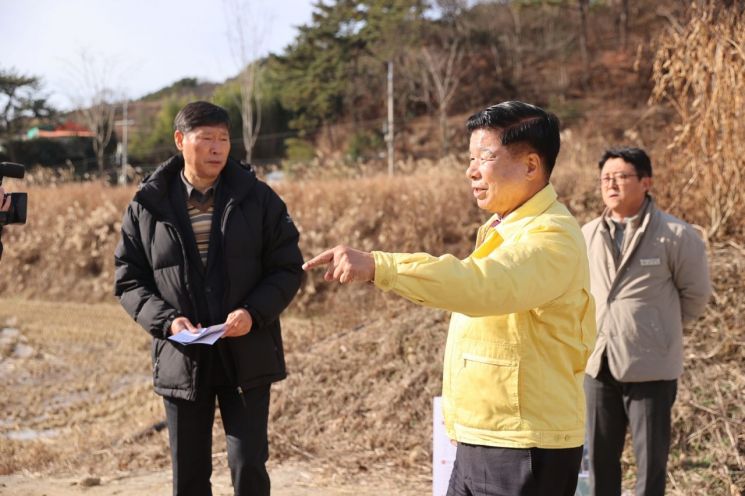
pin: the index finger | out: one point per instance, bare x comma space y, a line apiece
322, 259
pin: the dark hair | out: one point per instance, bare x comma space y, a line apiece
524, 123
635, 156
196, 114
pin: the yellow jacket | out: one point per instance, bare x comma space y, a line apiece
522, 328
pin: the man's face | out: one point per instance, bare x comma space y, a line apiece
205, 150
499, 178
622, 189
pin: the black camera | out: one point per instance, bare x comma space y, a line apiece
18, 201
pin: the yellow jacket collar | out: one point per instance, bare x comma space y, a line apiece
518, 218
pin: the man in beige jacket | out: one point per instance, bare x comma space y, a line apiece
649, 277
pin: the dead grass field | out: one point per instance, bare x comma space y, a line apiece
78, 403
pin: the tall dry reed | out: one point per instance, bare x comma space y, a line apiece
699, 70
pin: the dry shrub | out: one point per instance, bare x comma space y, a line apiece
700, 70
431, 212
359, 398
49, 176
65, 250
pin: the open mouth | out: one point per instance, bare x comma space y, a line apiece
477, 192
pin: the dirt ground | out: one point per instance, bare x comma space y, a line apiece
288, 479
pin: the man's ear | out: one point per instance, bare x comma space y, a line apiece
534, 168
178, 138
647, 183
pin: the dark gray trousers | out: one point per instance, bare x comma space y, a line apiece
644, 407
490, 471
190, 436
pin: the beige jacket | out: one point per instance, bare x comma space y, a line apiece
643, 298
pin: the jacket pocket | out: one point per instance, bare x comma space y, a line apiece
648, 331
172, 368
486, 389
256, 355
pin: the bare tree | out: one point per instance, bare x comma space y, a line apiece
516, 42
245, 34
442, 71
623, 23
95, 100
584, 6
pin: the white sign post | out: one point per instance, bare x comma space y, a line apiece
443, 452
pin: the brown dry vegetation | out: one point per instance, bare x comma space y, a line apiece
705, 85
364, 365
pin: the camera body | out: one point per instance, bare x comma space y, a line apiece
18, 201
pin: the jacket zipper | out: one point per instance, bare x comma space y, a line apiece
243, 398
188, 286
186, 264
223, 227
224, 352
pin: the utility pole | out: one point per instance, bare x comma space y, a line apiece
124, 159
389, 137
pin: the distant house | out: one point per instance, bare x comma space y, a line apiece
65, 130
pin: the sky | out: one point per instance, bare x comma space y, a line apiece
140, 46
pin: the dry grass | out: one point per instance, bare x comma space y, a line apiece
85, 401
65, 250
708, 446
364, 366
85, 388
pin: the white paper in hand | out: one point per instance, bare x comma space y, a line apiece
206, 335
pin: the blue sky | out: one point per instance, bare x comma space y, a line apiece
145, 44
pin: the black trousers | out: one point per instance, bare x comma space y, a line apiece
644, 407
489, 471
190, 435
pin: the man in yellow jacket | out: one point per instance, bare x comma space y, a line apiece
523, 322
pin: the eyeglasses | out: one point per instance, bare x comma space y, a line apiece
618, 177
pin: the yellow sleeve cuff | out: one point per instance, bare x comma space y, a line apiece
385, 270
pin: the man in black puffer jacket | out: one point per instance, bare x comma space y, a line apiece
204, 242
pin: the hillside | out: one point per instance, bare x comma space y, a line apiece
539, 57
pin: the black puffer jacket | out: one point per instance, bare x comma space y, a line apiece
256, 265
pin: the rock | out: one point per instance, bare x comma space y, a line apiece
8, 339
9, 333
23, 351
90, 482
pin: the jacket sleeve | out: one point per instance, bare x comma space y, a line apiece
690, 271
282, 264
512, 278
134, 283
